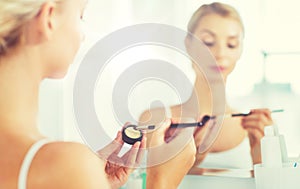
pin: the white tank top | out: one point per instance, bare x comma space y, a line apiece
22, 180
238, 157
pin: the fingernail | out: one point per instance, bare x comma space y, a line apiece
137, 144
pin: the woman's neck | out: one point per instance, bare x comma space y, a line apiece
19, 94
211, 95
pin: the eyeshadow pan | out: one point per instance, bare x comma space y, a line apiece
131, 135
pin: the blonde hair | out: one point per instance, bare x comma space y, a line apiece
221, 9
14, 15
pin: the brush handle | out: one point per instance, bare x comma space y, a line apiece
240, 114
197, 124
246, 114
182, 125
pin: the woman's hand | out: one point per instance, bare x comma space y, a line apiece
254, 124
198, 138
171, 154
117, 168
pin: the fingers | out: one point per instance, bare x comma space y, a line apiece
263, 112
255, 123
198, 136
130, 158
141, 151
258, 118
200, 131
113, 148
134, 156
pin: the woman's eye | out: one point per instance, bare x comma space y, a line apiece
231, 46
209, 44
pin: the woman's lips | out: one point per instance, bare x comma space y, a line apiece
218, 68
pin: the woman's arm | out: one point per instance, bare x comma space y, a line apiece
67, 165
254, 124
169, 161
74, 165
118, 168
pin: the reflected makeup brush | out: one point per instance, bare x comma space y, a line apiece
245, 114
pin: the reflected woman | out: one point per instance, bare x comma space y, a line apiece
220, 28
237, 142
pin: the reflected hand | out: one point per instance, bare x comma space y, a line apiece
198, 138
117, 168
171, 155
254, 124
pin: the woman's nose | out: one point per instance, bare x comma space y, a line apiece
219, 51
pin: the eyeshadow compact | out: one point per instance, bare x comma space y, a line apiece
131, 135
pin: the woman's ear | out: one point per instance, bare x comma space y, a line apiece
46, 19
42, 26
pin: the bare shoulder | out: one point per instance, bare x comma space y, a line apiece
67, 165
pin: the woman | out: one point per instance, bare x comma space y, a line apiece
220, 28
237, 145
33, 35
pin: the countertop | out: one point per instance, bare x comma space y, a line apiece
216, 182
